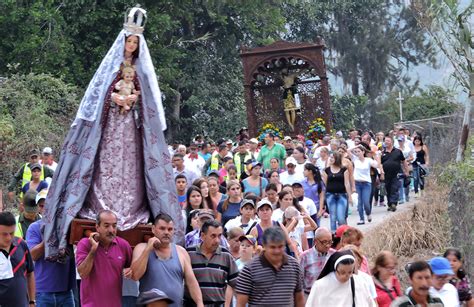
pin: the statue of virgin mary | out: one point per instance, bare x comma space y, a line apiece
114, 158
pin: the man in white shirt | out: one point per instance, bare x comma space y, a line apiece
290, 176
441, 288
47, 158
193, 160
309, 205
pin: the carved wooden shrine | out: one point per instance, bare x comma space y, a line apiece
266, 74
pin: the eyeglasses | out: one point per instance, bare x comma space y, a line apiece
325, 242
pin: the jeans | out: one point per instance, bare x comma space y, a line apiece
364, 189
392, 186
129, 301
418, 182
55, 299
337, 206
403, 192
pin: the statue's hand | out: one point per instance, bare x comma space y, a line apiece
119, 99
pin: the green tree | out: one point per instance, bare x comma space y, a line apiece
35, 111
349, 112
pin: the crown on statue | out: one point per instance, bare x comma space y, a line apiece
135, 20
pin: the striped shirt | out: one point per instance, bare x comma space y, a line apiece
213, 275
265, 285
312, 262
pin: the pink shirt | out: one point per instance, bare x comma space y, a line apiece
103, 286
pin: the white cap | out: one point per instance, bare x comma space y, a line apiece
291, 160
41, 195
48, 150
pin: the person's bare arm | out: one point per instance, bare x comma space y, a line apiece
322, 196
299, 299
30, 280
140, 257
37, 252
310, 224
347, 184
405, 167
229, 293
242, 300
427, 163
190, 278
85, 268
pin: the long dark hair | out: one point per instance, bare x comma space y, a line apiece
418, 137
316, 175
456, 253
137, 51
296, 203
191, 189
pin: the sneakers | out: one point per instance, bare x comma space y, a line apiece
392, 207
360, 223
369, 218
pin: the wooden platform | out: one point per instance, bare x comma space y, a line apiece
81, 228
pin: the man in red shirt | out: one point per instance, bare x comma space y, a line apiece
102, 260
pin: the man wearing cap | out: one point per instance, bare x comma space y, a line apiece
23, 175
442, 273
312, 261
213, 266
308, 204
245, 220
270, 150
253, 147
290, 176
241, 156
161, 264
47, 159
193, 238
272, 278
288, 144
29, 216
40, 200
55, 281
421, 278
193, 160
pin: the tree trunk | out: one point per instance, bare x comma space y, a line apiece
175, 117
466, 122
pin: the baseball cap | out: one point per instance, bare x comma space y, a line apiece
341, 229
253, 141
441, 266
205, 214
41, 195
264, 202
247, 202
297, 185
29, 201
401, 138
34, 152
151, 296
287, 138
249, 238
309, 143
47, 151
249, 161
290, 160
229, 142
33, 166
339, 134
255, 163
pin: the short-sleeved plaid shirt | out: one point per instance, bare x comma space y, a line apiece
312, 262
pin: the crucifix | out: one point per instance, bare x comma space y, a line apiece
400, 100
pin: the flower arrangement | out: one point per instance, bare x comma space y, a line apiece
267, 128
316, 130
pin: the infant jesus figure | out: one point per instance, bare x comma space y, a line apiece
126, 88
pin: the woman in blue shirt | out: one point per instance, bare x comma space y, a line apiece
314, 187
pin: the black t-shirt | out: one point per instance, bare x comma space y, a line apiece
13, 291
391, 162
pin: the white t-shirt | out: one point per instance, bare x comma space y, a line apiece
362, 169
237, 223
310, 207
277, 215
286, 178
370, 283
448, 295
295, 236
300, 168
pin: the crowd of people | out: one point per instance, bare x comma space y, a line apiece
253, 231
